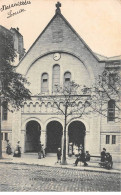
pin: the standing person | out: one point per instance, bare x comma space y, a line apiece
70, 149
8, 148
103, 155
39, 150
76, 151
43, 150
17, 152
59, 155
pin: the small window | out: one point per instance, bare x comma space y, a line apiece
6, 136
44, 83
113, 139
4, 111
67, 78
107, 139
56, 76
111, 80
111, 110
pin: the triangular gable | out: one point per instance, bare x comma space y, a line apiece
44, 42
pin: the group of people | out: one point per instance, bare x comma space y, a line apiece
106, 159
82, 157
17, 151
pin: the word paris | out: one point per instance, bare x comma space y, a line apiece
6, 7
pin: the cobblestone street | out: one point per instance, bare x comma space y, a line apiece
17, 178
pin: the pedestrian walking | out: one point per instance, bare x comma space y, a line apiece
59, 155
39, 150
43, 150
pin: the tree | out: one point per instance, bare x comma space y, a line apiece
12, 84
69, 100
76, 100
107, 89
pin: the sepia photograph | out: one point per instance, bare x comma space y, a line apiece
60, 82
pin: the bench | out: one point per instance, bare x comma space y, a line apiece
106, 164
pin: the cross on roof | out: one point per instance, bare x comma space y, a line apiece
58, 5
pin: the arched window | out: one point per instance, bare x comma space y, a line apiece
56, 76
67, 78
111, 110
44, 83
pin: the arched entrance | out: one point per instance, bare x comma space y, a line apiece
33, 132
76, 133
54, 136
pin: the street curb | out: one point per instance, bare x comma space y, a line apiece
76, 168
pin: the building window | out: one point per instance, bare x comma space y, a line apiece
1, 136
111, 110
44, 83
67, 78
6, 136
56, 76
107, 139
4, 111
113, 139
111, 80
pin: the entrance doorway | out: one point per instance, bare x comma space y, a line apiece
33, 132
54, 136
76, 133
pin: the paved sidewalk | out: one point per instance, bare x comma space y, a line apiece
32, 159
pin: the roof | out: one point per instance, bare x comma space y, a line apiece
6, 30
114, 58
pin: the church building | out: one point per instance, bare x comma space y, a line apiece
57, 56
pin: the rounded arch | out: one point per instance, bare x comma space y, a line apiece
30, 119
53, 119
90, 72
76, 133
54, 136
32, 138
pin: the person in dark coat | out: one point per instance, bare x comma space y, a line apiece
8, 148
103, 155
59, 155
43, 150
81, 158
87, 156
39, 150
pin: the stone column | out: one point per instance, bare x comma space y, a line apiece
23, 139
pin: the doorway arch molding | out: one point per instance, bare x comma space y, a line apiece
53, 119
31, 119
82, 121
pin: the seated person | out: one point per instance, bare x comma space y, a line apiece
81, 158
87, 156
108, 157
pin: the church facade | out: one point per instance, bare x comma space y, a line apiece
57, 56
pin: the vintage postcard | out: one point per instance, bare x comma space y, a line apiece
60, 122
